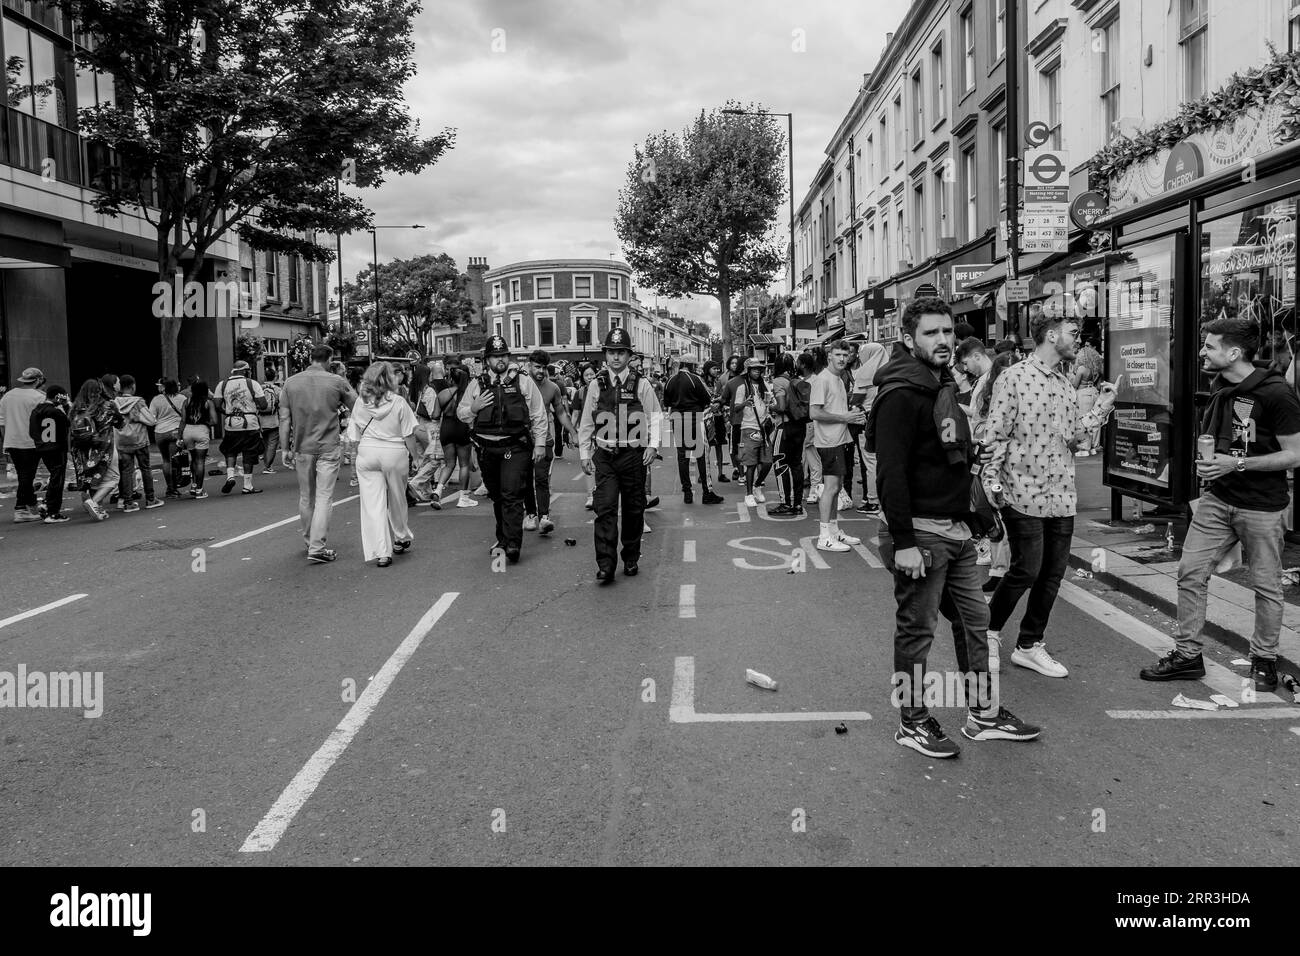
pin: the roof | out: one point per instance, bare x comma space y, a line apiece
765, 339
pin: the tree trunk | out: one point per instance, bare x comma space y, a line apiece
724, 303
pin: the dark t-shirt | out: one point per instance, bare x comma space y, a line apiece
1275, 410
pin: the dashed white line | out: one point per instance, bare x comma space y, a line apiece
688, 552
268, 832
686, 601
682, 709
41, 610
271, 527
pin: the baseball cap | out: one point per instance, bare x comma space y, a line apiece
30, 375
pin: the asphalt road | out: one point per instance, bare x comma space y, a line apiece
531, 723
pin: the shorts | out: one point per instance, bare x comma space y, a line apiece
196, 437
833, 460
246, 443
754, 450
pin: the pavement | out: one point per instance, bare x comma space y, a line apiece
262, 711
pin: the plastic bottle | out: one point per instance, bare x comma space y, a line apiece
759, 680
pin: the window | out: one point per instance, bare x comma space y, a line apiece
615, 288
919, 219
496, 293
872, 272
857, 173
295, 290
514, 290
938, 83
871, 162
38, 81
545, 329
969, 176
1000, 157
272, 289
900, 146
999, 28
1193, 18
918, 98
616, 320
884, 147
886, 251
582, 287
1109, 79
1051, 90
942, 199
904, 245
1293, 33
544, 288
968, 50
583, 325
496, 326
517, 330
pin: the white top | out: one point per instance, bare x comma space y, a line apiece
383, 425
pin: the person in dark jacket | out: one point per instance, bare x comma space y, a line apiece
687, 398
735, 378
49, 433
923, 447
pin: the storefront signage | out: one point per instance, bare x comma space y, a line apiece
1183, 166
1017, 290
362, 338
962, 276
1047, 201
1087, 208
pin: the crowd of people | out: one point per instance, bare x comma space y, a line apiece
965, 452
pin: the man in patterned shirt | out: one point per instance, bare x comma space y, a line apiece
1033, 428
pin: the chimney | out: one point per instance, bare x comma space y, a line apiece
889, 38
476, 287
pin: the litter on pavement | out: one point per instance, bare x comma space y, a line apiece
1223, 700
1188, 702
759, 680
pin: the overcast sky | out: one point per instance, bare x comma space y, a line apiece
546, 128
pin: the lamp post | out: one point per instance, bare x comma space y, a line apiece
584, 322
374, 262
789, 129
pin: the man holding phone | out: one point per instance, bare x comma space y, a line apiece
831, 417
922, 442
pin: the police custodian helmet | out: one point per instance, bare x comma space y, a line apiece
618, 339
495, 345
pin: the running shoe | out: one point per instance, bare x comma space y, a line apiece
198, 495
1005, 726
131, 507
832, 544
154, 503
751, 501
545, 525
926, 738
57, 518
847, 538
323, 556
530, 522
1175, 666
758, 495
466, 501
1036, 658
95, 511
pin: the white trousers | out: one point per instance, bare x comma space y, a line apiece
381, 478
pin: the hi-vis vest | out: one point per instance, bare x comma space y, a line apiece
619, 410
507, 416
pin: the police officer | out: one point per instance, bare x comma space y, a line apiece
507, 423
617, 440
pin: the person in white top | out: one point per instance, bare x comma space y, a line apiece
756, 403
382, 429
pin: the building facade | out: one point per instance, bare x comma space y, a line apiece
282, 299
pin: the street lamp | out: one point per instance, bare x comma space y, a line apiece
583, 323
375, 262
789, 119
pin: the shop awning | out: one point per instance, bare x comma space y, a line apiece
998, 274
765, 339
827, 338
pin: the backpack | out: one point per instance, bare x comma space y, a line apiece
797, 397
238, 404
84, 431
272, 395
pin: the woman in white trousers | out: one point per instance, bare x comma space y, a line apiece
382, 428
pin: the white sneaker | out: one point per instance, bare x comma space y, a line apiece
995, 652
847, 538
481, 491
590, 502
846, 503
831, 544
758, 495
466, 501
530, 522
646, 529
1037, 659
751, 501
811, 499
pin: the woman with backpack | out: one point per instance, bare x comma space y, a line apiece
454, 435
423, 397
168, 408
94, 451
753, 405
791, 394
199, 416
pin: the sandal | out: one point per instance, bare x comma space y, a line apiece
251, 491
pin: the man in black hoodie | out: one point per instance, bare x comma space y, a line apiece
687, 398
922, 444
1254, 417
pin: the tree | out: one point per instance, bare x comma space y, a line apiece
697, 213
247, 115
771, 314
414, 296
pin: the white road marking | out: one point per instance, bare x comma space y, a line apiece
783, 558
271, 527
813, 556
1261, 713
1296, 731
41, 610
688, 552
682, 709
743, 512
867, 556
686, 601
1217, 677
268, 832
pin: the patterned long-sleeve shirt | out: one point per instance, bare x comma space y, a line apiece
1033, 428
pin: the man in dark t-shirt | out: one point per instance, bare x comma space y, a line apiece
1254, 418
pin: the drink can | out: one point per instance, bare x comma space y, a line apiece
995, 487
1205, 447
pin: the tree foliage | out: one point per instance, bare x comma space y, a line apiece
698, 211
244, 115
415, 295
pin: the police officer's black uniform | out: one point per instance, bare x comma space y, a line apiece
504, 432
619, 420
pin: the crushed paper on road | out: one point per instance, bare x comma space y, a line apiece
1190, 703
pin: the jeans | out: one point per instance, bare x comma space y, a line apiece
788, 461
127, 460
270, 439
167, 447
316, 477
537, 486
1215, 528
690, 443
26, 461
1040, 551
951, 586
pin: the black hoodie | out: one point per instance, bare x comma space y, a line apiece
1274, 409
913, 475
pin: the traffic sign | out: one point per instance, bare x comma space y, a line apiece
1037, 133
361, 336
1017, 290
1045, 167
1047, 199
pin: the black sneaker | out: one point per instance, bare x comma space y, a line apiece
57, 518
781, 509
652, 503
688, 497
723, 478
630, 569
1005, 726
228, 486
324, 556
868, 508
1264, 670
711, 499
926, 737
1175, 666
991, 585
797, 510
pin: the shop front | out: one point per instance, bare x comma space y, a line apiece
1190, 246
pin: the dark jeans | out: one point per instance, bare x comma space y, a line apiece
126, 465
788, 462
537, 486
505, 472
620, 479
691, 442
735, 447
168, 445
951, 586
26, 461
1040, 551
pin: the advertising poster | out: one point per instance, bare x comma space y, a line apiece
1139, 343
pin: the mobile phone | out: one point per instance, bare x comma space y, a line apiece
926, 557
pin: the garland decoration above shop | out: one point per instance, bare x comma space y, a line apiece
1279, 78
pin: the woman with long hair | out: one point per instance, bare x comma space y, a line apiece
382, 429
454, 435
731, 381
94, 455
200, 415
806, 368
752, 403
168, 407
713, 381
588, 376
